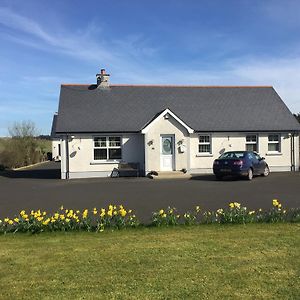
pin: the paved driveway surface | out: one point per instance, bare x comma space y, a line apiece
40, 187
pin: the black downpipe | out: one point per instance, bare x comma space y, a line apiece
67, 158
293, 152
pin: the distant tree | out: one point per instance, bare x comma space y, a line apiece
23, 148
297, 116
24, 129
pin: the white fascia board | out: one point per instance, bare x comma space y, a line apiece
161, 115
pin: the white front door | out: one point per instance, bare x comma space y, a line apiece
167, 153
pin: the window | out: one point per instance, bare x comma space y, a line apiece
273, 143
251, 142
204, 144
107, 148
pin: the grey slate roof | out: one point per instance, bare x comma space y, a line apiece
53, 127
86, 108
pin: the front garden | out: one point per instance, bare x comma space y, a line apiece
253, 261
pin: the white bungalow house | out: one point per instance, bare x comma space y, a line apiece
170, 128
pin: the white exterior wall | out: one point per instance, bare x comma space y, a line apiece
55, 149
81, 156
136, 148
221, 142
160, 127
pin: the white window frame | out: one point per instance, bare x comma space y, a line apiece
205, 143
275, 142
251, 142
107, 147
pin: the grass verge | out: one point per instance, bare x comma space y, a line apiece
256, 261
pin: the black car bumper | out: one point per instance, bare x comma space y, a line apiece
230, 172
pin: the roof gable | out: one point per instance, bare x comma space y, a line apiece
167, 111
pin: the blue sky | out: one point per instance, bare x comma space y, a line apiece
46, 43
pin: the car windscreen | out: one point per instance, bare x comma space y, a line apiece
237, 155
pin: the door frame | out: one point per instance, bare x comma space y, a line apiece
173, 151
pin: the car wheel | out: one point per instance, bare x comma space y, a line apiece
266, 171
219, 177
250, 174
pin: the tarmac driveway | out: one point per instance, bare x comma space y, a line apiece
40, 187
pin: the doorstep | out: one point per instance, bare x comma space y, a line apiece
171, 175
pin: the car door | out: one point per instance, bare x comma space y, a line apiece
262, 163
255, 163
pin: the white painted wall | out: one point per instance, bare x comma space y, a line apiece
55, 149
200, 163
165, 126
81, 163
81, 155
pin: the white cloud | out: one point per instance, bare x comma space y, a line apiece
132, 60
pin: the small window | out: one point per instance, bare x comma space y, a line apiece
107, 148
204, 144
273, 143
251, 142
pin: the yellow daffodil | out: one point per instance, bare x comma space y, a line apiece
10, 222
123, 212
161, 212
16, 220
109, 213
6, 220
85, 214
62, 217
40, 219
46, 221
68, 220
115, 213
231, 205
237, 205
110, 207
62, 207
164, 215
24, 216
22, 212
275, 202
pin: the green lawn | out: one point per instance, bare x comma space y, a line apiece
256, 261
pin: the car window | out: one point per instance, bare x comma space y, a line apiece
257, 156
250, 155
233, 155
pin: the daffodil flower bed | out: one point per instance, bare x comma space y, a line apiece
117, 217
114, 217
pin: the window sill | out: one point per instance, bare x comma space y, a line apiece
204, 155
101, 162
274, 153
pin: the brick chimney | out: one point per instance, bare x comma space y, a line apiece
102, 79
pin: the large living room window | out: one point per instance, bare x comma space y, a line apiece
273, 143
204, 146
251, 142
107, 148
